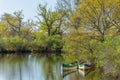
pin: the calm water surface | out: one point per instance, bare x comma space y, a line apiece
33, 67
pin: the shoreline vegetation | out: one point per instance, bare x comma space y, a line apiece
30, 51
86, 30
21, 45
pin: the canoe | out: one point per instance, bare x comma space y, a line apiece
67, 67
84, 68
81, 66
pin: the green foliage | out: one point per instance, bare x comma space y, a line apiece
43, 42
16, 44
69, 58
95, 75
2, 44
104, 55
107, 55
55, 42
52, 21
40, 42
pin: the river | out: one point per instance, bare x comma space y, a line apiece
35, 67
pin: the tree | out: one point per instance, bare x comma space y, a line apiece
15, 26
72, 19
14, 22
68, 5
3, 30
51, 20
98, 17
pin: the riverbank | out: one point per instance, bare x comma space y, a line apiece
30, 51
21, 45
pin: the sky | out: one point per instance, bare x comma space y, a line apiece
29, 7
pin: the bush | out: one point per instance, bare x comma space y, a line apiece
40, 43
55, 42
51, 43
17, 44
107, 55
2, 45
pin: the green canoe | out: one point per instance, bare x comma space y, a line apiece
83, 68
67, 67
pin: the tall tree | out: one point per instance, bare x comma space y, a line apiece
15, 25
14, 22
3, 30
98, 16
51, 20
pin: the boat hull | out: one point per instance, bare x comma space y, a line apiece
84, 69
67, 67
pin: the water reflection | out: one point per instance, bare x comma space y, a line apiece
77, 73
30, 67
38, 67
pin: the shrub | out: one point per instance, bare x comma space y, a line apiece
17, 44
40, 43
55, 42
2, 45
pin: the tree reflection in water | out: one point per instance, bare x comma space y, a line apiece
40, 67
51, 67
30, 67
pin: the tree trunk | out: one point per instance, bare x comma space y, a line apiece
49, 33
